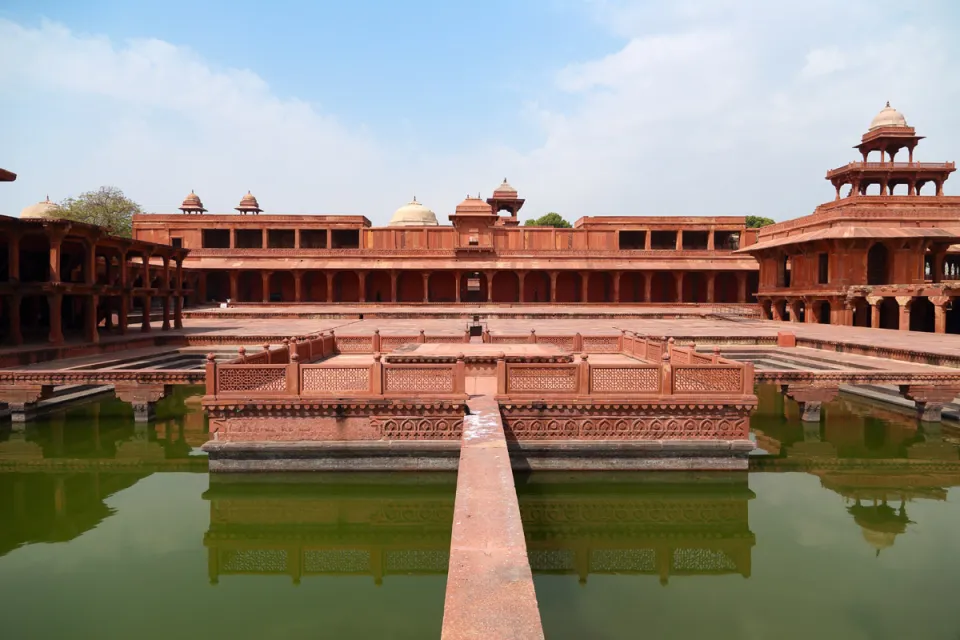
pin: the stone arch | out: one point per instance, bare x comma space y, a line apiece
631, 286
442, 287
378, 286
878, 264
889, 314
315, 286
781, 308
410, 286
282, 287
600, 287
922, 315
861, 313
569, 286
249, 286
766, 309
823, 312
725, 287
506, 287
664, 287
536, 287
473, 296
694, 287
346, 286
218, 286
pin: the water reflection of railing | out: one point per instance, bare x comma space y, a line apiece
351, 526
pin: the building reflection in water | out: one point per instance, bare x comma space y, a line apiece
330, 524
386, 525
879, 459
57, 472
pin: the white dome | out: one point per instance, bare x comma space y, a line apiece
413, 214
888, 117
45, 209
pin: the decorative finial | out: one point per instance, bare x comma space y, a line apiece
888, 104
504, 181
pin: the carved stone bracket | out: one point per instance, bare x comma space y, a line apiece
143, 398
929, 400
811, 399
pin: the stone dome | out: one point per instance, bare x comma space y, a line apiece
473, 206
248, 203
41, 210
888, 117
192, 204
505, 189
413, 214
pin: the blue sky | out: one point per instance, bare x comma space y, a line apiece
589, 107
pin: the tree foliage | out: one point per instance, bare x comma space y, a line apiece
106, 207
551, 219
755, 222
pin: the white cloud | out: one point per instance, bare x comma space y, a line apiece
707, 108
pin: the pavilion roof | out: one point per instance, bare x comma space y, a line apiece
851, 232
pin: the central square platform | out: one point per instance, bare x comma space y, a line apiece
478, 352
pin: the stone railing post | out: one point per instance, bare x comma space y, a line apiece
376, 341
716, 354
242, 358
620, 340
577, 342
284, 355
293, 375
666, 375
211, 378
670, 343
421, 338
266, 349
466, 335
583, 386
485, 336
748, 377
501, 374
376, 375
533, 336
460, 375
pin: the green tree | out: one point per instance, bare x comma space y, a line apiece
755, 222
106, 207
548, 220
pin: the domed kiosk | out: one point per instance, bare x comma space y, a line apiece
44, 210
413, 214
888, 117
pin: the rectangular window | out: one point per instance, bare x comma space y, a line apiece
345, 238
663, 240
281, 238
823, 271
313, 238
632, 240
216, 238
176, 242
695, 240
249, 238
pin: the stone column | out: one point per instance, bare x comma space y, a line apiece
265, 285
13, 257
616, 286
123, 269
329, 239
329, 275
584, 286
298, 283
146, 269
16, 336
775, 311
362, 296
679, 246
265, 239
234, 285
426, 287
810, 312
553, 287
904, 302
178, 312
874, 302
55, 302
679, 281
123, 311
521, 277
55, 240
711, 283
145, 320
165, 301
741, 286
394, 276
940, 313
648, 240
647, 285
794, 310
296, 238
90, 318
710, 241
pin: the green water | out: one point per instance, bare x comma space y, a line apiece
847, 530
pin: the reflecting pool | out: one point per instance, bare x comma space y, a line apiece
845, 529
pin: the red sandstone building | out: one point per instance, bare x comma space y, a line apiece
482, 257
880, 254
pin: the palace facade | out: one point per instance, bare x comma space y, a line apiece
483, 256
